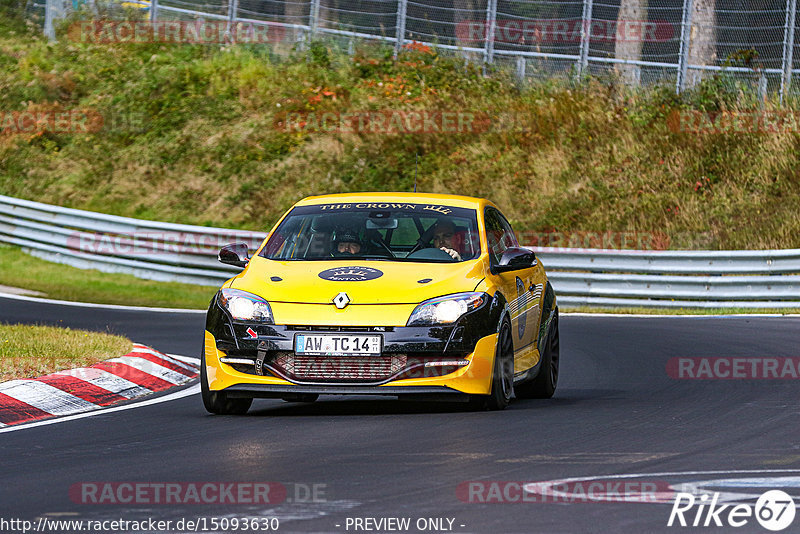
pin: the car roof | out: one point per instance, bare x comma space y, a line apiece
458, 201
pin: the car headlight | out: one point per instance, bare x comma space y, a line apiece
244, 306
445, 310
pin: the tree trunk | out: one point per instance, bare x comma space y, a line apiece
703, 40
631, 21
471, 30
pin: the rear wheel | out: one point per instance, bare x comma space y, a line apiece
502, 374
544, 385
218, 402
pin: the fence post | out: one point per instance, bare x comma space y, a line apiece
788, 47
153, 10
491, 22
314, 17
683, 55
522, 63
586, 34
400, 30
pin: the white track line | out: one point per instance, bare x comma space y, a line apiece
193, 390
91, 305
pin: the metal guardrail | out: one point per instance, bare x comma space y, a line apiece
146, 249
674, 278
593, 277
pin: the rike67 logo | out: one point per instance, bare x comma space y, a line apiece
774, 510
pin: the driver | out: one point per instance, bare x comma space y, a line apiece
443, 233
347, 243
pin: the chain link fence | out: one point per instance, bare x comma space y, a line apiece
679, 42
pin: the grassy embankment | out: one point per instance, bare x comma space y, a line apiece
595, 157
31, 351
62, 282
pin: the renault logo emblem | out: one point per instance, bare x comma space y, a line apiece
341, 300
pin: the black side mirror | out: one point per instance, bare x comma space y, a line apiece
514, 259
236, 254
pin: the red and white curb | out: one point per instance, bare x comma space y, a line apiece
140, 372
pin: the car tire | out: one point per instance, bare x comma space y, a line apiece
543, 386
502, 374
218, 402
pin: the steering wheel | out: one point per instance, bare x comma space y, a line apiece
435, 254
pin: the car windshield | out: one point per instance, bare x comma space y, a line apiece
376, 231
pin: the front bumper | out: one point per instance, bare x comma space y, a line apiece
425, 362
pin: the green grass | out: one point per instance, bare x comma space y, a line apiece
30, 351
62, 282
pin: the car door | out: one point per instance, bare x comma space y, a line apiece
522, 289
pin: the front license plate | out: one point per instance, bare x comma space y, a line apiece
337, 344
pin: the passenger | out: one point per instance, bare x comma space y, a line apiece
443, 233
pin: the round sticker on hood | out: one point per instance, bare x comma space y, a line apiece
350, 274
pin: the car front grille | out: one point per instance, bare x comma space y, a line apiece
339, 368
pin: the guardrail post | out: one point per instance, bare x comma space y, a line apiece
586, 35
153, 10
491, 22
686, 36
400, 31
314, 17
788, 47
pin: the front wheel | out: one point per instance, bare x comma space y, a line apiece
502, 374
218, 402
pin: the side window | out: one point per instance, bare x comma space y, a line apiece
498, 234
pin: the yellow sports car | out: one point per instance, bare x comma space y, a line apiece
399, 294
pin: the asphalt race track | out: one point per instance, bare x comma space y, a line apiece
616, 412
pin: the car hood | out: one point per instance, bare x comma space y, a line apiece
365, 282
